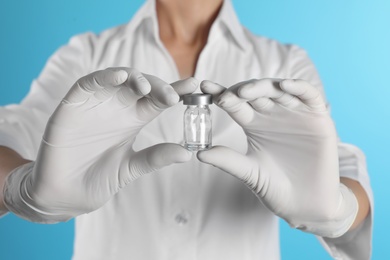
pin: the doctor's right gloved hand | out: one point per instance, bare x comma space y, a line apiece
86, 153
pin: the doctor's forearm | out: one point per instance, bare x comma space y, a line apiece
9, 160
362, 198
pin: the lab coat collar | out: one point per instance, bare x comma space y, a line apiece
227, 17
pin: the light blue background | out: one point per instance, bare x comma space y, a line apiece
349, 41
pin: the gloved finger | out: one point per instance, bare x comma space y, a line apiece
134, 88
105, 94
229, 161
161, 96
136, 81
209, 87
236, 107
308, 94
156, 157
88, 85
127, 94
124, 97
266, 88
262, 104
185, 86
227, 99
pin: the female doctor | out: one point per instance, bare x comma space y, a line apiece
101, 117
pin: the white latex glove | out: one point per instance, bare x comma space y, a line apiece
292, 158
86, 154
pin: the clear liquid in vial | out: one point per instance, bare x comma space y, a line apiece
194, 147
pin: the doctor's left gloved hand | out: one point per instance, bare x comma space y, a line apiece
86, 154
292, 158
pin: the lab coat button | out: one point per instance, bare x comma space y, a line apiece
182, 218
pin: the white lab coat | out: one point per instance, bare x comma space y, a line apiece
191, 210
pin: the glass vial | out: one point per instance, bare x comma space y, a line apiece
197, 122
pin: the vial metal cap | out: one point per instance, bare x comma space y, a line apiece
197, 99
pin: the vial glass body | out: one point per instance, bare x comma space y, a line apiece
197, 127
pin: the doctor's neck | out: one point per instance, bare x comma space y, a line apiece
184, 26
186, 20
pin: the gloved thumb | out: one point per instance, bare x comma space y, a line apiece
155, 157
229, 161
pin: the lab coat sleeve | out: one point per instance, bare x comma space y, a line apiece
355, 244
22, 125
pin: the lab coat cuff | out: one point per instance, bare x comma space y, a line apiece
17, 200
